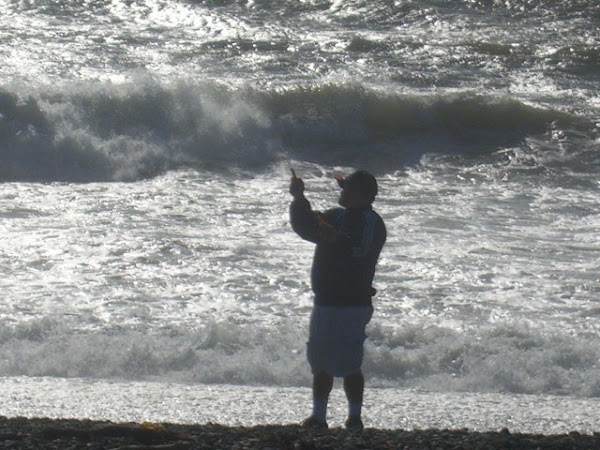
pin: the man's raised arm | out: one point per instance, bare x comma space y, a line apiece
303, 219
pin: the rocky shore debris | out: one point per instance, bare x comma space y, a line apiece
54, 434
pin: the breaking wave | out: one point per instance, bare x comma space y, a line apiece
513, 357
106, 132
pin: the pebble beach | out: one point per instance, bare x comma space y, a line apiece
66, 434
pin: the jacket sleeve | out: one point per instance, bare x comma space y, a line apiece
304, 220
364, 236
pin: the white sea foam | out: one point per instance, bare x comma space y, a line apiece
506, 358
196, 277
100, 132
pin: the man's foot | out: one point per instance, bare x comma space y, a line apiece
354, 424
314, 423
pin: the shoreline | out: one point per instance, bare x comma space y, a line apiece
42, 433
245, 405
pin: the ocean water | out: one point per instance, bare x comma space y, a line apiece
150, 269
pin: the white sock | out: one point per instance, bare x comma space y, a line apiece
320, 409
354, 409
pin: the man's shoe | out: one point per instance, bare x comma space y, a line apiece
354, 424
314, 423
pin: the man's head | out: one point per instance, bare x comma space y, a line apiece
358, 190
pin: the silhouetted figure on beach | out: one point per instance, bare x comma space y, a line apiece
349, 240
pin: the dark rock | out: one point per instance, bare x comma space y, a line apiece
41, 434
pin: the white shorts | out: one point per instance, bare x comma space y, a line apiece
336, 338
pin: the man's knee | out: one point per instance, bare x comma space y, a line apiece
323, 378
356, 377
354, 385
322, 384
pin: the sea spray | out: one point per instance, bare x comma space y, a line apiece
515, 358
129, 132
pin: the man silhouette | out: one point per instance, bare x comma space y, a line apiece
349, 241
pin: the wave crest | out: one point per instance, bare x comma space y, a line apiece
142, 129
509, 357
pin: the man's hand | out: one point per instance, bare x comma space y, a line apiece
296, 186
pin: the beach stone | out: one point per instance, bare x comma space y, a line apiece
37, 434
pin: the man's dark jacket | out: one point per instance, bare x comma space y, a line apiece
342, 271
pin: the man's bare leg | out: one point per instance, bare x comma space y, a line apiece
322, 385
354, 386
